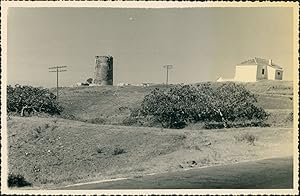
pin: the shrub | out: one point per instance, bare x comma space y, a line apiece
35, 99
17, 180
234, 102
182, 104
129, 121
118, 151
100, 150
173, 108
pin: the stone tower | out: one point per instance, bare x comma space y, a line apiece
103, 70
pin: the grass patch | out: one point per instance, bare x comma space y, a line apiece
280, 118
96, 121
290, 117
247, 137
220, 125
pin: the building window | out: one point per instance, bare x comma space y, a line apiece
263, 71
278, 73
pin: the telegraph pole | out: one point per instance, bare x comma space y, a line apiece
57, 69
168, 67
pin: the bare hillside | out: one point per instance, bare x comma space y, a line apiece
52, 152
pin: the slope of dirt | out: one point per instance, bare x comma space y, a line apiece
52, 152
102, 104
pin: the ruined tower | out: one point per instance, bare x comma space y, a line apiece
103, 70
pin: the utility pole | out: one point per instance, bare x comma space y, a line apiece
57, 69
168, 67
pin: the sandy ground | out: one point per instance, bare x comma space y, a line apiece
52, 152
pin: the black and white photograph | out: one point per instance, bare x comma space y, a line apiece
149, 97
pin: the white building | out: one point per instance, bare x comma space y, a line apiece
257, 69
220, 79
123, 84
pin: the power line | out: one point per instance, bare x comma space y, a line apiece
167, 68
57, 69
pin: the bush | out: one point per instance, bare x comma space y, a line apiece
100, 150
234, 102
31, 98
173, 108
180, 105
130, 121
17, 180
118, 151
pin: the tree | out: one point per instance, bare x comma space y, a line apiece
20, 98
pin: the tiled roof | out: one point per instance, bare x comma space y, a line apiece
260, 61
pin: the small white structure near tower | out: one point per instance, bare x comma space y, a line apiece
256, 69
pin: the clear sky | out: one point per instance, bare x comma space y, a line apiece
202, 43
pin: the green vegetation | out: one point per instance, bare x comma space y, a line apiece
246, 137
180, 105
17, 181
21, 99
118, 151
112, 105
46, 151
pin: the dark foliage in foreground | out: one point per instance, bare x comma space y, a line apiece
17, 181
